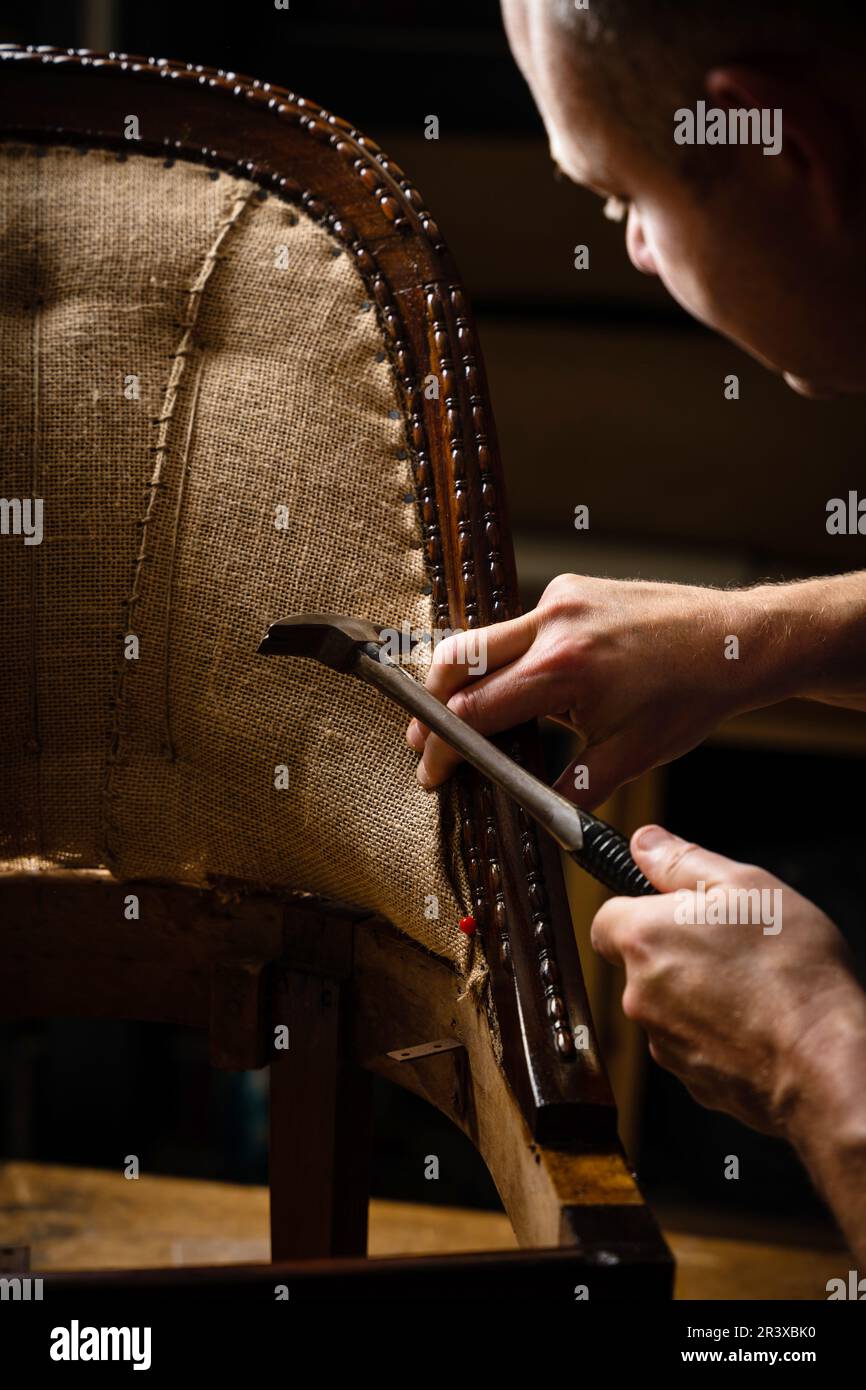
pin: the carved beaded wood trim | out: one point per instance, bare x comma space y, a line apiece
500, 608
302, 153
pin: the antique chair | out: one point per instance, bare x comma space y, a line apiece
241, 375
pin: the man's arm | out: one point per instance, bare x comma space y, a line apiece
825, 618
644, 672
825, 1114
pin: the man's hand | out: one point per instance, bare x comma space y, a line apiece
731, 1009
768, 1027
638, 671
643, 672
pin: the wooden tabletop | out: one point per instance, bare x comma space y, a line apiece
79, 1218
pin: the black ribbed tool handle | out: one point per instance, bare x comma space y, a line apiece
606, 855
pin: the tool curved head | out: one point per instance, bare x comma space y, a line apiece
334, 639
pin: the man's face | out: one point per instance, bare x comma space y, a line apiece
749, 254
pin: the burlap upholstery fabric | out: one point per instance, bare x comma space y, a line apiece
259, 388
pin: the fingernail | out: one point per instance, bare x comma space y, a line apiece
423, 779
651, 839
414, 737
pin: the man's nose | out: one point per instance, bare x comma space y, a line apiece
638, 251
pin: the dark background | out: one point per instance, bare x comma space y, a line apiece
365, 61
605, 394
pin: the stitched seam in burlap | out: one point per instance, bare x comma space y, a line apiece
35, 737
169, 598
185, 348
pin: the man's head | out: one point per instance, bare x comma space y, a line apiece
769, 249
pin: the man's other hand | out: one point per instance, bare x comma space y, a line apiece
736, 978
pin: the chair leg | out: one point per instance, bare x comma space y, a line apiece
320, 1124
577, 1194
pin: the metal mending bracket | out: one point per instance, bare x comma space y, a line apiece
430, 1049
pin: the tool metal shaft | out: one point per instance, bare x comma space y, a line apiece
559, 817
596, 846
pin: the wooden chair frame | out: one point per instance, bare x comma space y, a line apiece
236, 963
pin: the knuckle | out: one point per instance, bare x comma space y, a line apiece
680, 854
598, 938
604, 913
465, 704
603, 921
561, 583
561, 597
633, 1003
447, 651
634, 946
560, 607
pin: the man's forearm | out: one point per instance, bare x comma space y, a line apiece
825, 1109
815, 634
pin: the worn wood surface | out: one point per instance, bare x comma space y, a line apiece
87, 1219
397, 983
579, 1192
362, 992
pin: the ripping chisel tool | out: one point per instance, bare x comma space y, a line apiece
354, 646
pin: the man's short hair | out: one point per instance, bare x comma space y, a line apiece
649, 57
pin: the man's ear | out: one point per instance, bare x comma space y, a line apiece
818, 137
